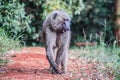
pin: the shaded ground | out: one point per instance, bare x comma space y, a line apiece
31, 64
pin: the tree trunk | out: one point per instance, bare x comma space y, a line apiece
117, 32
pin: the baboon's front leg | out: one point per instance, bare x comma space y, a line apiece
50, 43
50, 57
59, 56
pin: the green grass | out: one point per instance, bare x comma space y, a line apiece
108, 56
7, 43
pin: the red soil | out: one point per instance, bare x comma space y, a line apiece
31, 64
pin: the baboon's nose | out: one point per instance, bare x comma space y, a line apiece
65, 27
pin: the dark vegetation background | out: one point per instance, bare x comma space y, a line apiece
92, 20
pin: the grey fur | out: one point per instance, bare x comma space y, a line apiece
56, 34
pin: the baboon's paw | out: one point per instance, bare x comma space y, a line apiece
56, 72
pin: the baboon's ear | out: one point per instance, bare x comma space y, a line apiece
55, 15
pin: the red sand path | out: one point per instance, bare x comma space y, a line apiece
31, 64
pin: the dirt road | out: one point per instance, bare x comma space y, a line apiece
31, 64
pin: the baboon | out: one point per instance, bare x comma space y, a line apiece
56, 34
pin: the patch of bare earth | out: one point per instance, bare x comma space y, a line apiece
31, 64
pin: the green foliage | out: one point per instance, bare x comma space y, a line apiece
90, 18
13, 23
96, 19
71, 6
13, 18
7, 43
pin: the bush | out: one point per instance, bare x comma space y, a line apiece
96, 19
89, 18
7, 43
72, 7
13, 18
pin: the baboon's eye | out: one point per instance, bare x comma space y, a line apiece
55, 15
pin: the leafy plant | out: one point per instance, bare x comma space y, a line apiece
16, 15
13, 18
7, 43
96, 17
72, 7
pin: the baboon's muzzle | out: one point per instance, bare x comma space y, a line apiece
63, 29
65, 26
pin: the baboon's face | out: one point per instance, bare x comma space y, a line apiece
60, 22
